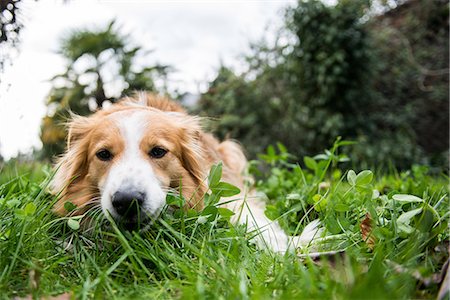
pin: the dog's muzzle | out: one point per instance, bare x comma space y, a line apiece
128, 205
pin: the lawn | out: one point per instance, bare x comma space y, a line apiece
386, 236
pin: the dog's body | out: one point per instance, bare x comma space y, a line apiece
128, 157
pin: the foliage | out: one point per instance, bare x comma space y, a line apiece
406, 211
190, 255
320, 190
11, 24
240, 111
96, 60
333, 72
411, 81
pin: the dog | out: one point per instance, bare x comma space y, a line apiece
128, 157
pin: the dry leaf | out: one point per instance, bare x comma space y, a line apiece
366, 228
34, 279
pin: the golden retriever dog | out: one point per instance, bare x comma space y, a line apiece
128, 157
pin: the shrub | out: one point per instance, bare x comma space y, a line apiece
343, 73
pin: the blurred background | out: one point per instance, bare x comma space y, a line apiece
300, 73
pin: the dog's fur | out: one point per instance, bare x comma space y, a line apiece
129, 130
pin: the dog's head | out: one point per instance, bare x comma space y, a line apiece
127, 158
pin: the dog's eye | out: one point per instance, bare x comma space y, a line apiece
157, 152
104, 155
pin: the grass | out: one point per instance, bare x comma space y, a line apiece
193, 255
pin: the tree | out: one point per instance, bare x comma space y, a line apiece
95, 59
411, 84
300, 93
9, 23
343, 70
10, 26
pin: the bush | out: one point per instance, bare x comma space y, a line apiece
340, 74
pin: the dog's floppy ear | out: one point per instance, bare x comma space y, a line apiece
192, 156
78, 127
192, 159
71, 167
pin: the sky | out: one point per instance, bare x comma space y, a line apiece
193, 37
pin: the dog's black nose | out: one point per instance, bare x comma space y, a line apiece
128, 203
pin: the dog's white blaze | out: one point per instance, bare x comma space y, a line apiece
133, 171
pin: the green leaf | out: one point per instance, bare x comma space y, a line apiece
175, 200
406, 198
211, 199
5, 235
342, 207
351, 177
281, 147
321, 157
375, 194
364, 177
202, 219
191, 213
73, 224
343, 158
271, 151
310, 163
336, 174
426, 219
210, 212
224, 189
178, 214
404, 219
69, 206
224, 212
346, 143
405, 228
20, 213
322, 166
332, 225
12, 203
271, 212
294, 196
214, 175
320, 202
30, 209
